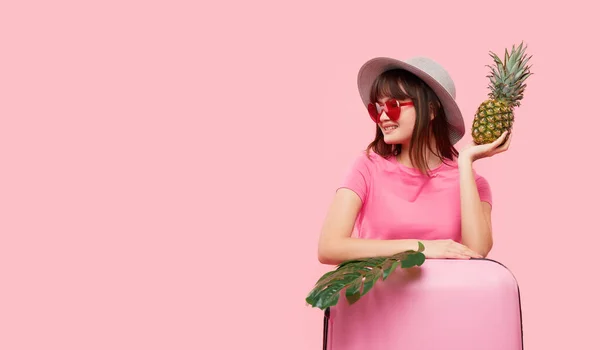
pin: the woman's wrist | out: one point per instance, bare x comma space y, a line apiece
465, 160
407, 244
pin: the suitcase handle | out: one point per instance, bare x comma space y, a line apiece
326, 327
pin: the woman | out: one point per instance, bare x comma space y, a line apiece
411, 185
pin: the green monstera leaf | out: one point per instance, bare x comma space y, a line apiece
358, 277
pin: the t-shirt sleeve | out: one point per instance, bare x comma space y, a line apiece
485, 191
358, 177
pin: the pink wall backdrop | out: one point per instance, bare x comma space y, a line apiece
166, 165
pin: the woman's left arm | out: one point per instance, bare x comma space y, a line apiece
476, 221
476, 224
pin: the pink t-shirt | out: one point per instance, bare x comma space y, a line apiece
401, 203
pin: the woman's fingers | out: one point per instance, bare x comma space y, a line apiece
500, 139
494, 145
462, 249
457, 255
507, 143
502, 147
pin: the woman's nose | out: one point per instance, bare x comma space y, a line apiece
383, 116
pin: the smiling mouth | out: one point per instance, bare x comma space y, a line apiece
390, 128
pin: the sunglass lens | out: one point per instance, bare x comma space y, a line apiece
373, 112
392, 109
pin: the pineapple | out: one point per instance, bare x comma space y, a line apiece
507, 85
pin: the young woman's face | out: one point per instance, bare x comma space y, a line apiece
399, 131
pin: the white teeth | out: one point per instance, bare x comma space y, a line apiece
388, 128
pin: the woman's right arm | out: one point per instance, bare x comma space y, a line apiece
335, 243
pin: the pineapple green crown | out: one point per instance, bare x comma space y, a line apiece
507, 78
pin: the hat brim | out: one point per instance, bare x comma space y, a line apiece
374, 67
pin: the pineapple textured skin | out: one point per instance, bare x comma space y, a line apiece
492, 119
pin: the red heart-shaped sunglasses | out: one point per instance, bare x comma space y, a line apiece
391, 107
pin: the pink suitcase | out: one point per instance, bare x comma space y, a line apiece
441, 305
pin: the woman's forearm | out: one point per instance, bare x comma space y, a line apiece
476, 230
347, 248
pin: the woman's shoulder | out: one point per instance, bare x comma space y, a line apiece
373, 157
370, 160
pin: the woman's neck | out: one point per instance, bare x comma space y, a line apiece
404, 158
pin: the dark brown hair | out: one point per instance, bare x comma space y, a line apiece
425, 102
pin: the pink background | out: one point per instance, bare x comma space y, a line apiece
166, 166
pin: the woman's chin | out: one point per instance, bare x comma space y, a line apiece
392, 139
